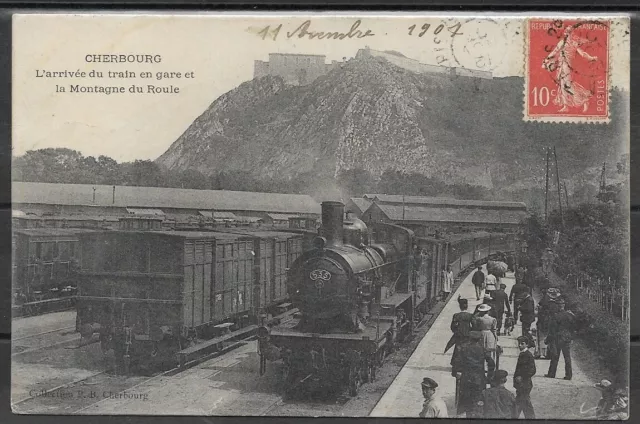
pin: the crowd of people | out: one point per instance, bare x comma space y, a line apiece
481, 390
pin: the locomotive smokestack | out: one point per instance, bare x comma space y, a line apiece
333, 222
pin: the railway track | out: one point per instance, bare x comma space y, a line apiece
80, 394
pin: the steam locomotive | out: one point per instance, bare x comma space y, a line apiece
356, 300
359, 292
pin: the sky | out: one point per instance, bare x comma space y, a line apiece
220, 51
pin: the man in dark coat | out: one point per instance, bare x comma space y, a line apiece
470, 363
548, 307
561, 333
460, 326
500, 302
527, 313
520, 274
516, 295
525, 370
498, 402
478, 281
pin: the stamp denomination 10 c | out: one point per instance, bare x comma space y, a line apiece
567, 71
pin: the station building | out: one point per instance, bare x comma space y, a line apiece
101, 206
430, 216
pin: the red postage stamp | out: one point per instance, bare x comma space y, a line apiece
567, 71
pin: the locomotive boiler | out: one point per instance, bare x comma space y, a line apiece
334, 284
355, 300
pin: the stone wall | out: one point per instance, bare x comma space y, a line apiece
422, 68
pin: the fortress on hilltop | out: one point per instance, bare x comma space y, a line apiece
295, 69
302, 69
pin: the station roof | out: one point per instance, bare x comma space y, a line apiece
462, 215
442, 201
362, 203
52, 232
144, 211
282, 216
160, 197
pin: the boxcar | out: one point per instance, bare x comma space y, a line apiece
44, 265
147, 290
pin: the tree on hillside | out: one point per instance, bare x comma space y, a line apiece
145, 173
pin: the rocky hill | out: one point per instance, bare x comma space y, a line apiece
371, 114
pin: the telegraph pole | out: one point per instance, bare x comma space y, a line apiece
546, 188
558, 184
603, 180
566, 193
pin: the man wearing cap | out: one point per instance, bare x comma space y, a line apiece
500, 302
525, 370
471, 362
561, 332
498, 402
478, 281
433, 406
460, 326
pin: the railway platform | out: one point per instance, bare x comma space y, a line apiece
551, 398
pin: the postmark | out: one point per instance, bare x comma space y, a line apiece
482, 46
567, 71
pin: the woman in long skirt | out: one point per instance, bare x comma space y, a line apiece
488, 326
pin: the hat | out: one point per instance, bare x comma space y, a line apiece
604, 384
429, 383
523, 339
475, 335
500, 375
463, 302
484, 307
503, 286
553, 295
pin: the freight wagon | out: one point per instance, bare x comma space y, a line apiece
44, 269
151, 294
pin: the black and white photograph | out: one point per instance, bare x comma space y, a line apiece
321, 214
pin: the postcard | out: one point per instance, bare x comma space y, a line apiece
321, 214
